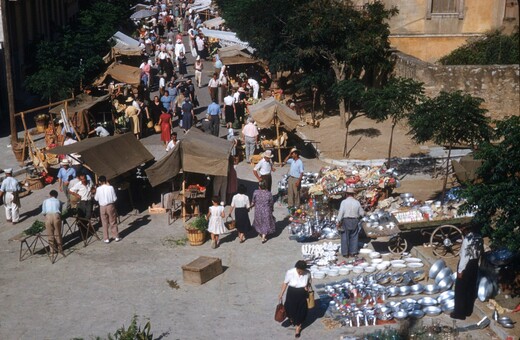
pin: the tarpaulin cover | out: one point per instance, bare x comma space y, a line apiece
125, 45
235, 55
198, 152
121, 73
264, 112
108, 156
82, 102
215, 22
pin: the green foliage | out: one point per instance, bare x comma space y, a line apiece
133, 332
35, 228
496, 196
494, 48
77, 53
199, 223
450, 118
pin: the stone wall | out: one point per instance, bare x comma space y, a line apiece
498, 85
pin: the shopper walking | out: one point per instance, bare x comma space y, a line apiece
240, 204
264, 168
216, 222
250, 138
264, 221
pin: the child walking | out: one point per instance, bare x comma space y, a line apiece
216, 221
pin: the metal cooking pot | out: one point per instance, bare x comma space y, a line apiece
427, 301
417, 288
404, 290
432, 310
448, 306
447, 295
436, 268
401, 314
445, 272
485, 289
431, 289
416, 314
393, 290
445, 283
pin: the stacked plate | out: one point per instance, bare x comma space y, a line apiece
318, 274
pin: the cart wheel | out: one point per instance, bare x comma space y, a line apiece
446, 241
397, 244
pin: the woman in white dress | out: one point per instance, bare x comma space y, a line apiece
216, 222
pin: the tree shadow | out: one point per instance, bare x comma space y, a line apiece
368, 132
134, 225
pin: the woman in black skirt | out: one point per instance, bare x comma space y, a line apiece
298, 279
240, 203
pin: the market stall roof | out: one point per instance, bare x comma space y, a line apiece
142, 13
201, 5
122, 73
108, 156
215, 22
235, 55
198, 152
82, 102
226, 38
125, 45
263, 113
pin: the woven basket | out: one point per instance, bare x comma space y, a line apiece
196, 237
230, 223
157, 128
35, 183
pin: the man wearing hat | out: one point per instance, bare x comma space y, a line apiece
63, 178
295, 178
213, 87
10, 189
350, 211
263, 169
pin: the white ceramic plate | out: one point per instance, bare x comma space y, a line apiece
358, 270
365, 251
412, 259
376, 261
364, 264
415, 264
370, 269
397, 261
398, 265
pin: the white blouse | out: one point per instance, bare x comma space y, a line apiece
240, 201
293, 279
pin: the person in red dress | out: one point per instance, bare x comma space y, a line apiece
165, 120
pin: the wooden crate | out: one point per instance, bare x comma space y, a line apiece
202, 270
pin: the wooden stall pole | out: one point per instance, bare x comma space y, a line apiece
277, 124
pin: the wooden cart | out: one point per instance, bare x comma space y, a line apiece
445, 239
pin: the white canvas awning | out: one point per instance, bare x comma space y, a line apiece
215, 22
226, 38
125, 45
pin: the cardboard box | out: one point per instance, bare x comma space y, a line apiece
202, 270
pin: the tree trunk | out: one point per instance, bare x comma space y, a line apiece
346, 124
447, 173
339, 72
390, 146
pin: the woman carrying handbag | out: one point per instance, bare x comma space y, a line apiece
297, 282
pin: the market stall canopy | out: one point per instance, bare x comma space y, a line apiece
264, 112
201, 5
82, 102
108, 156
226, 38
122, 73
125, 45
198, 152
215, 22
141, 14
235, 55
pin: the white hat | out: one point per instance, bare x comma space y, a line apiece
268, 154
8, 171
65, 162
350, 191
60, 121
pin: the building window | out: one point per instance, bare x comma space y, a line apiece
445, 9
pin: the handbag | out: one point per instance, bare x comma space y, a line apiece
149, 124
310, 299
230, 223
157, 128
279, 314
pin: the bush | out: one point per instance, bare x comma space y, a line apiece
493, 49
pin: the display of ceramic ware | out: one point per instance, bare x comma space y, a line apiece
374, 255
412, 259
318, 274
377, 261
370, 269
415, 264
381, 266
397, 261
344, 271
358, 269
365, 251
398, 265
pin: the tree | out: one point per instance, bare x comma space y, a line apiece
495, 198
394, 101
450, 118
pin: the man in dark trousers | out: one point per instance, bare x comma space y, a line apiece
467, 273
350, 211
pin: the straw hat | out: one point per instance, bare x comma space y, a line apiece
268, 154
350, 191
129, 100
8, 171
65, 162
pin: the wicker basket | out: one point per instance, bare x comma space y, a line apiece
35, 183
157, 128
230, 223
196, 237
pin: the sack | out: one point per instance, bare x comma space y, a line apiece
157, 128
310, 300
230, 223
279, 314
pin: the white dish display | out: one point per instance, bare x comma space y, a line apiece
415, 264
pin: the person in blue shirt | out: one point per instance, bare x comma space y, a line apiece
51, 209
214, 117
166, 101
295, 178
63, 178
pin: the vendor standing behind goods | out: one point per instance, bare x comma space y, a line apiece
467, 273
295, 178
63, 178
263, 169
350, 211
250, 135
83, 191
10, 189
51, 209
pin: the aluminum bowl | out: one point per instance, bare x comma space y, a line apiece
445, 283
432, 310
427, 301
404, 290
436, 268
418, 275
394, 305
416, 314
417, 288
431, 289
485, 289
505, 319
445, 272
507, 325
447, 295
400, 315
393, 290
448, 306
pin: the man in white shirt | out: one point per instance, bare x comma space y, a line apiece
173, 141
213, 88
263, 169
106, 197
100, 131
73, 157
10, 189
83, 191
255, 86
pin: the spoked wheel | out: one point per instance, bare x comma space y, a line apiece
446, 241
397, 244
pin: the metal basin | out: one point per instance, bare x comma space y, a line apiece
445, 272
418, 275
393, 290
427, 301
431, 289
436, 268
505, 319
485, 289
447, 295
448, 306
432, 310
416, 314
417, 288
445, 283
400, 315
404, 290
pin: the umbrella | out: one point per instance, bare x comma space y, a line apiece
144, 13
